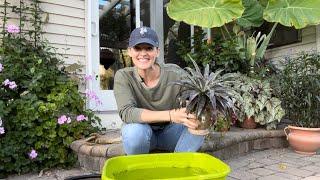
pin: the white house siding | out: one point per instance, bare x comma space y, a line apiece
308, 43
65, 28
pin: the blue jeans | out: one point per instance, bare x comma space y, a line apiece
138, 138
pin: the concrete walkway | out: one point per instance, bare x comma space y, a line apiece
273, 164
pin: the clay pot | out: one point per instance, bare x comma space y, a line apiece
248, 123
303, 140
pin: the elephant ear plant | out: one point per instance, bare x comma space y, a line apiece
206, 95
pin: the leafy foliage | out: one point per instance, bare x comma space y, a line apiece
255, 99
252, 15
216, 13
205, 13
293, 12
30, 112
206, 91
222, 124
298, 86
220, 53
34, 95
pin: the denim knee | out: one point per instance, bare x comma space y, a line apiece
136, 138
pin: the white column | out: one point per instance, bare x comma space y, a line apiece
209, 34
191, 35
137, 6
156, 23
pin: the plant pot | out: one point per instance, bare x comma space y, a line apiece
303, 140
248, 123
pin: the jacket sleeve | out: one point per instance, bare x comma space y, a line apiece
127, 105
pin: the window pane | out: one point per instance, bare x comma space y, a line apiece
173, 32
115, 27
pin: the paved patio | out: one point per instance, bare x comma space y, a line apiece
273, 164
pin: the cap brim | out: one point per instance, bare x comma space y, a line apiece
144, 40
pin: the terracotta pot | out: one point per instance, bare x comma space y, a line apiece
248, 123
303, 140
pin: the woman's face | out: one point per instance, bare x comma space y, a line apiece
143, 55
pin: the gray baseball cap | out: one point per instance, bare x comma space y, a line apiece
143, 35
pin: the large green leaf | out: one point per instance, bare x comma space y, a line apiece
205, 13
295, 13
252, 15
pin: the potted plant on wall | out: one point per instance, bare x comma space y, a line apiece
256, 104
222, 124
299, 88
206, 95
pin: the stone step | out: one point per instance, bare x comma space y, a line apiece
93, 152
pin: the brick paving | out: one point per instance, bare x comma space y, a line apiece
275, 164
272, 164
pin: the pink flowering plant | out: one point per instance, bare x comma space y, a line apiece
41, 108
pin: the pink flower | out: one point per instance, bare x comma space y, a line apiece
93, 96
2, 131
62, 119
6, 82
1, 67
81, 118
13, 29
33, 154
88, 78
12, 85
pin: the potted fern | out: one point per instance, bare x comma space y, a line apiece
206, 95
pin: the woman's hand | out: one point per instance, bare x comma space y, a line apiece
180, 116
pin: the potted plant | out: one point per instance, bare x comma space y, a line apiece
256, 103
299, 88
222, 124
206, 95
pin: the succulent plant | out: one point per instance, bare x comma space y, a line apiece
205, 93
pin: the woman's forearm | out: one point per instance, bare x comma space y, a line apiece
148, 116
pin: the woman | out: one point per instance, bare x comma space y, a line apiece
146, 103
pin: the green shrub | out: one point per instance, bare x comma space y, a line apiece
298, 87
41, 109
220, 53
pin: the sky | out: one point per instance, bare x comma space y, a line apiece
102, 2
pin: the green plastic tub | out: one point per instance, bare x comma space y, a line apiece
167, 166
